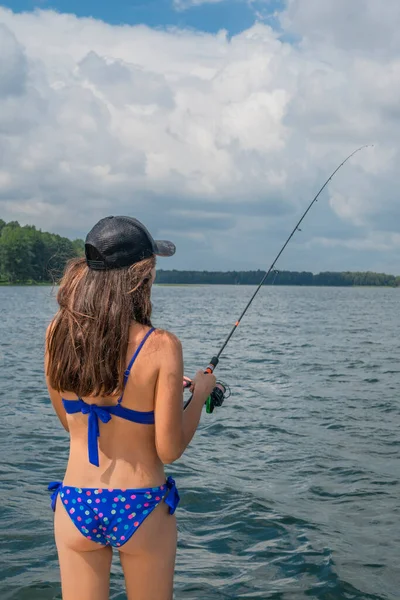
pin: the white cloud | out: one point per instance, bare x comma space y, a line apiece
171, 125
355, 26
13, 65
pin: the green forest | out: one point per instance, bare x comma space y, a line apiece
28, 255
31, 256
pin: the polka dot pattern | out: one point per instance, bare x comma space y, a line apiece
122, 511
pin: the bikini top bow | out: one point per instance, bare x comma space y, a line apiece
95, 413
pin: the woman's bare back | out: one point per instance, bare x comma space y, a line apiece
127, 450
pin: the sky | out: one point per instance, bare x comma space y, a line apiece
214, 122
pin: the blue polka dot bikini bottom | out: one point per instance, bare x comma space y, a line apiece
109, 516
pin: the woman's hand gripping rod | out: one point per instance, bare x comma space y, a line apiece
217, 396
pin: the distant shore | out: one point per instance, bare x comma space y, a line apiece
48, 284
287, 278
46, 255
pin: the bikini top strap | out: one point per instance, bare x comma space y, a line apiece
134, 357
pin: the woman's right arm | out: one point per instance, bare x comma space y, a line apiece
174, 427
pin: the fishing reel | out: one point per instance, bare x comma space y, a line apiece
217, 397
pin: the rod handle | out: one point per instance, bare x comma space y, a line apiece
213, 363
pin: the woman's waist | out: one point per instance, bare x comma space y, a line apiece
114, 473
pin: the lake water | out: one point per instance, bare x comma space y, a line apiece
290, 491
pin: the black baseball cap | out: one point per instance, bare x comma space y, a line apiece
116, 242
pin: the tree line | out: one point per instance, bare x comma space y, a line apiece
278, 278
29, 255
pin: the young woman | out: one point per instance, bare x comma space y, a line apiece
116, 386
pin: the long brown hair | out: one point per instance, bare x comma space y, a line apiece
88, 338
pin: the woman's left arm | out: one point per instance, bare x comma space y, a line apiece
55, 396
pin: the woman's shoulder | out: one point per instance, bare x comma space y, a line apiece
162, 347
160, 339
168, 349
166, 339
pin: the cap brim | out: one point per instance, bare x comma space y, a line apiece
164, 248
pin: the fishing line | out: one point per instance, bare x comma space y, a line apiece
218, 395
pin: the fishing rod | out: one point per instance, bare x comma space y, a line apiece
217, 396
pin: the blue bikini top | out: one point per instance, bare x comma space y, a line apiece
104, 413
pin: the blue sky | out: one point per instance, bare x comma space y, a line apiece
211, 16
